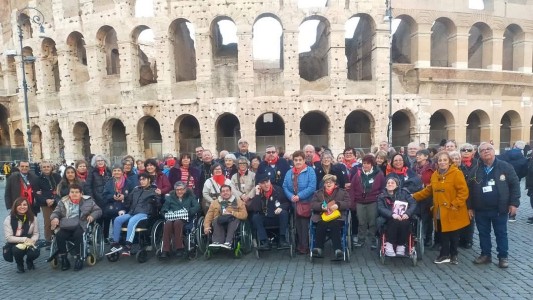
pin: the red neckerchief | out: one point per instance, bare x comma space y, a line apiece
26, 191
330, 192
402, 172
274, 161
269, 193
242, 173
220, 179
467, 162
81, 176
349, 163
101, 170
296, 171
75, 201
119, 184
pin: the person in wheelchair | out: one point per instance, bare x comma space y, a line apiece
72, 214
327, 205
269, 207
224, 215
181, 199
395, 206
139, 204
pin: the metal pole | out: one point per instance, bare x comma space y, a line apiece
389, 15
25, 90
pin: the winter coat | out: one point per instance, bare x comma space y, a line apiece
9, 231
189, 202
142, 200
46, 188
357, 191
306, 184
410, 181
276, 173
257, 203
162, 183
241, 185
109, 192
211, 191
12, 190
450, 194
341, 198
94, 186
334, 170
424, 172
175, 176
506, 182
87, 208
235, 206
517, 160
385, 203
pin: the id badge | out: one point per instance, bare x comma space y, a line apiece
277, 204
491, 182
371, 181
487, 189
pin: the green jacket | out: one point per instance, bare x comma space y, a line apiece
189, 202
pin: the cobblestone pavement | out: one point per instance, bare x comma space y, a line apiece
276, 276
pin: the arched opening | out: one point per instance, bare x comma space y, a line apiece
224, 43
25, 25
57, 143
443, 43
314, 129
77, 58
513, 48
5, 139
477, 127
228, 132
357, 130
401, 129
359, 46
182, 43
149, 133
510, 129
107, 37
402, 40
36, 142
479, 46
143, 39
50, 66
31, 78
439, 127
267, 42
114, 133
19, 139
82, 140
313, 48
188, 135
269, 130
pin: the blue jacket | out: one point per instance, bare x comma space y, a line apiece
306, 184
517, 160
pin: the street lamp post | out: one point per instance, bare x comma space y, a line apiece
39, 20
388, 16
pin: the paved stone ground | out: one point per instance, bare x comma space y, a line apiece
279, 277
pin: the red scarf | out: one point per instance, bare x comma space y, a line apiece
401, 172
274, 161
75, 201
101, 170
329, 192
467, 161
82, 177
119, 184
296, 171
26, 191
242, 173
349, 163
220, 179
269, 193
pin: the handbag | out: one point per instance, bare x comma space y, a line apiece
69, 223
224, 219
181, 214
303, 209
8, 252
328, 217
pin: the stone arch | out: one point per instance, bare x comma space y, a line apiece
477, 127
510, 129
57, 143
36, 142
182, 44
479, 46
31, 78
513, 48
358, 128
228, 131
441, 127
25, 25
19, 139
5, 139
225, 58
50, 65
269, 130
314, 59
149, 132
77, 58
314, 129
267, 58
114, 133
187, 134
143, 39
443, 43
360, 32
403, 52
108, 49
401, 128
82, 140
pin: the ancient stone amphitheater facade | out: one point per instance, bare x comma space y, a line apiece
96, 87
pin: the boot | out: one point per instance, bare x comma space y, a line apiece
30, 264
65, 263
20, 267
78, 263
389, 250
400, 250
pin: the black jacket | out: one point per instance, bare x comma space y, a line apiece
46, 187
12, 191
276, 173
257, 203
94, 186
142, 201
334, 170
506, 182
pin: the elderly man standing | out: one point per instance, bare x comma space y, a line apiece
21, 184
412, 149
45, 194
274, 166
494, 196
310, 155
243, 150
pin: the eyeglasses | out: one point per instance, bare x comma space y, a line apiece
467, 150
270, 152
486, 149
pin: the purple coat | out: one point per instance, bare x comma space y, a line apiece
357, 192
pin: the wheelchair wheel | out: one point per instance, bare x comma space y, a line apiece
349, 233
97, 243
91, 260
113, 257
419, 244
347, 254
292, 241
157, 235
381, 250
202, 239
414, 258
54, 263
142, 256
246, 237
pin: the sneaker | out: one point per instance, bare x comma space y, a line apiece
126, 251
264, 245
226, 245
454, 260
503, 263
358, 244
442, 260
114, 249
317, 252
215, 245
400, 250
512, 218
389, 250
483, 259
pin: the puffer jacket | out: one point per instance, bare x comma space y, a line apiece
142, 200
341, 198
357, 190
189, 202
517, 160
235, 206
87, 208
259, 203
306, 184
386, 203
109, 192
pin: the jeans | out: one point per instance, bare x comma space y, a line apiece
132, 224
484, 220
259, 222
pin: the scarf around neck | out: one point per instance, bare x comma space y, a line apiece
219, 179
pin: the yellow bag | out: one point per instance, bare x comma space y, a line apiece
334, 215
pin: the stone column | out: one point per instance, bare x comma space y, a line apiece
525, 50
245, 74
129, 65
493, 51
458, 49
337, 61
421, 46
291, 60
96, 65
203, 64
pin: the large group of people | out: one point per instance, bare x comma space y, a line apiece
451, 189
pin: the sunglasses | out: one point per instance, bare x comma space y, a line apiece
467, 150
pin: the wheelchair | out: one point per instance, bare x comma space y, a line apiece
242, 241
415, 242
273, 238
92, 247
147, 238
189, 237
346, 237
